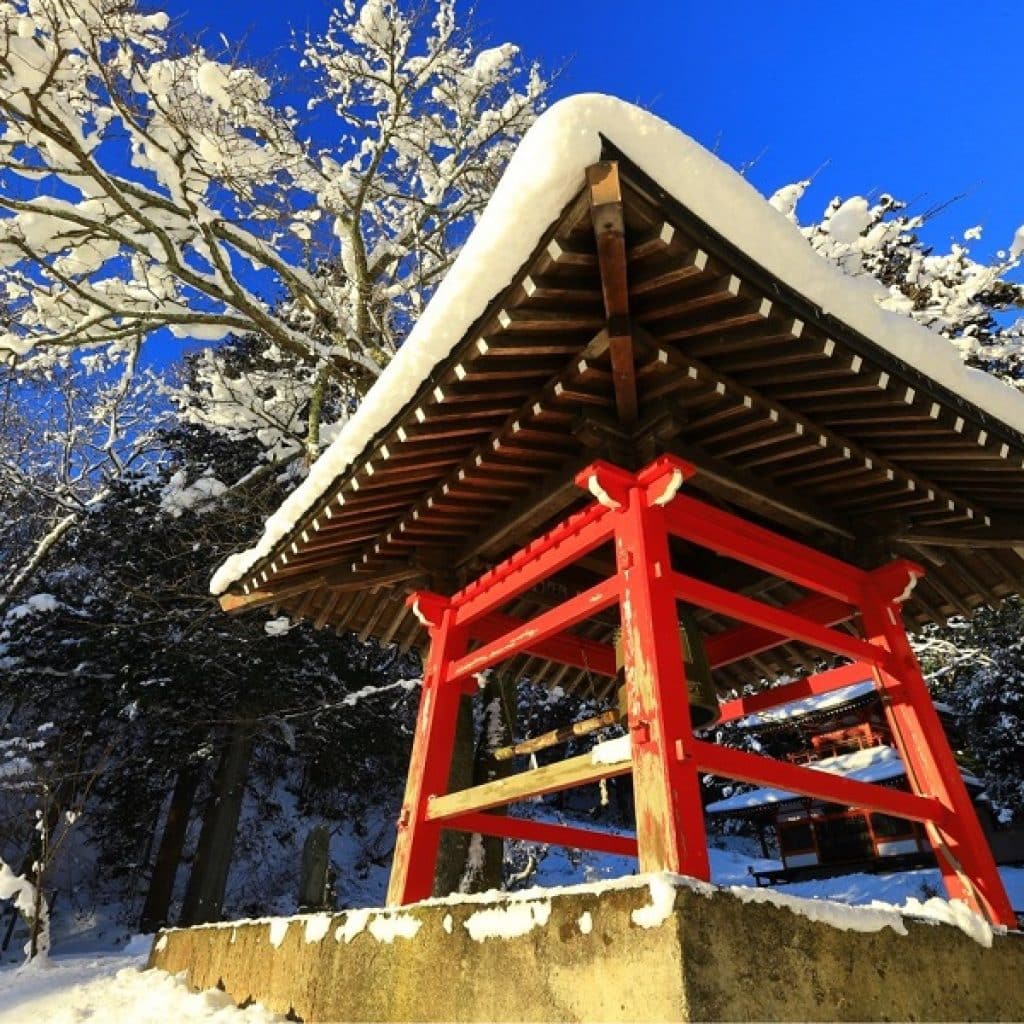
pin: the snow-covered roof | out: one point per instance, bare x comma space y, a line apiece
876, 764
808, 706
546, 172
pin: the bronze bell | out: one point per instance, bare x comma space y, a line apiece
704, 709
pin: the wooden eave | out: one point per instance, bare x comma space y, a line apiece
790, 416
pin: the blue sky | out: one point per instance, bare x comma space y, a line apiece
920, 99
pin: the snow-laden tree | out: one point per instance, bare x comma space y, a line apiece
67, 434
148, 184
143, 686
968, 302
977, 667
151, 188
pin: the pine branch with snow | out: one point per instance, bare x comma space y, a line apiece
966, 301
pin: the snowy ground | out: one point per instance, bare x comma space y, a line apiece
103, 985
112, 990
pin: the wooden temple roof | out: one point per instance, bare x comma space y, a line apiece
633, 329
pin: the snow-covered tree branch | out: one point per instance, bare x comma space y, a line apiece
952, 293
148, 185
66, 436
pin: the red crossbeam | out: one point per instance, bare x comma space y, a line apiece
778, 620
507, 827
810, 686
563, 648
744, 641
562, 546
721, 648
766, 771
538, 629
789, 560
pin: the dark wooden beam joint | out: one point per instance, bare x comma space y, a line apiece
629, 446
610, 233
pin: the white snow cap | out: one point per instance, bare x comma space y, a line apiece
808, 705
545, 173
1017, 245
874, 764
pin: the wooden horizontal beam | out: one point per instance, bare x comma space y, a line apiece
766, 771
811, 686
1011, 538
235, 604
508, 827
340, 582
778, 620
763, 549
564, 648
748, 641
537, 630
575, 771
559, 547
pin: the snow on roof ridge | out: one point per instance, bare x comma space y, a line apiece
545, 172
872, 764
803, 706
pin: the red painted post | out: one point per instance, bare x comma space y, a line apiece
666, 784
961, 849
415, 857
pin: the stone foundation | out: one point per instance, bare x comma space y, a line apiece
651, 949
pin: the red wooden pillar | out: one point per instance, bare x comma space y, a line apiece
415, 857
666, 782
961, 849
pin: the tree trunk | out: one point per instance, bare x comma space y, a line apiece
468, 863
155, 912
204, 898
454, 848
313, 878
499, 697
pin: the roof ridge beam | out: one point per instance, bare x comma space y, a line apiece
606, 211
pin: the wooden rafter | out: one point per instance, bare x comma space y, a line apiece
1011, 537
340, 582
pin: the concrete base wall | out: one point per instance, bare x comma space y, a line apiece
647, 952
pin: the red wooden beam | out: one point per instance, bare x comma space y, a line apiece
766, 771
564, 648
810, 686
961, 849
722, 648
416, 845
729, 535
507, 827
565, 544
538, 629
744, 641
778, 620
669, 815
